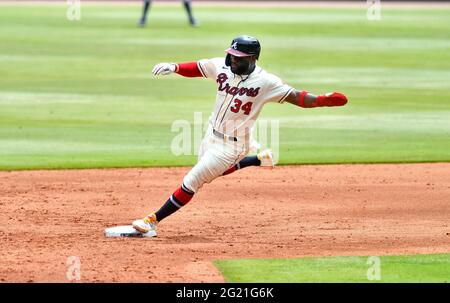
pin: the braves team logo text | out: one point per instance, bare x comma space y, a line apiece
233, 90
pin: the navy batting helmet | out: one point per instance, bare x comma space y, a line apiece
243, 46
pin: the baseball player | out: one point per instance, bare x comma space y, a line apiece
187, 6
243, 88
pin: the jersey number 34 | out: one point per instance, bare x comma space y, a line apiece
247, 107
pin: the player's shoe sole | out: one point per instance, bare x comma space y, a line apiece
140, 226
145, 225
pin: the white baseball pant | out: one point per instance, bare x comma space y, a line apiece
216, 155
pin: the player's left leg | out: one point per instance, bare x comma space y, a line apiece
205, 171
188, 7
264, 158
178, 199
213, 161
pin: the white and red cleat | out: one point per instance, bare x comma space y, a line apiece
145, 225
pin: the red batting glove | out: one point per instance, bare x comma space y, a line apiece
332, 99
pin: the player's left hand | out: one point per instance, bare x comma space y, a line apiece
164, 69
332, 99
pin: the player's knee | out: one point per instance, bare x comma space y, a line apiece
192, 183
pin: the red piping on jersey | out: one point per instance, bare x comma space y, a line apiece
188, 69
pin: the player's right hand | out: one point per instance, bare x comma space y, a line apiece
164, 69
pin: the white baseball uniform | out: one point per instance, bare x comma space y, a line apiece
239, 101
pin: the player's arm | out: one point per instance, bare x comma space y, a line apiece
307, 100
186, 69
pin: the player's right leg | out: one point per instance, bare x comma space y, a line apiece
147, 5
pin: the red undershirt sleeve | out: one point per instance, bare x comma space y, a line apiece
188, 69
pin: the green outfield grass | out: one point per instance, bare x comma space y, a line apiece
387, 269
80, 94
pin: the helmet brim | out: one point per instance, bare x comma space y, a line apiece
237, 53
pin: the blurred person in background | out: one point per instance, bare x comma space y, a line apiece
186, 3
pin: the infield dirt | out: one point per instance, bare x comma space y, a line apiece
290, 211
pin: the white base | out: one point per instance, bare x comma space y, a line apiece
127, 231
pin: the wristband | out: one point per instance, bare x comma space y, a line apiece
301, 98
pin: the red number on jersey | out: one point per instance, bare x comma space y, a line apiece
247, 107
237, 106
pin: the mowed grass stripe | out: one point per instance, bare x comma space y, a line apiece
386, 269
80, 94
